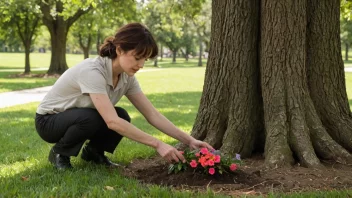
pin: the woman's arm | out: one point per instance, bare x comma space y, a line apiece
106, 110
155, 118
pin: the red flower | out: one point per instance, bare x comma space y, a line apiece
211, 171
217, 159
210, 162
233, 167
193, 163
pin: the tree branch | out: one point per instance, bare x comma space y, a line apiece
76, 16
45, 9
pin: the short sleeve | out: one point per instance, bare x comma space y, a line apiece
134, 87
92, 81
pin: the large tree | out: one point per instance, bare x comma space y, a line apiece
275, 82
58, 17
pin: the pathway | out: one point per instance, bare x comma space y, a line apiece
12, 98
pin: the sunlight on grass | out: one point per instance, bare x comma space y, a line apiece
25, 171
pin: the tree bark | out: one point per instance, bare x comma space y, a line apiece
174, 52
200, 62
228, 115
86, 47
58, 28
290, 95
326, 71
161, 52
98, 41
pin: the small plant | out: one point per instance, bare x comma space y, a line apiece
207, 161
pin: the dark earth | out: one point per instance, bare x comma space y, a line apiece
252, 178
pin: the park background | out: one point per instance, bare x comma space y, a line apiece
173, 82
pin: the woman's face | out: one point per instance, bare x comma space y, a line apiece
130, 63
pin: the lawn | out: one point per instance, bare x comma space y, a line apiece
25, 172
13, 64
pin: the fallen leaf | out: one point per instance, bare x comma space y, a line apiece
109, 188
24, 178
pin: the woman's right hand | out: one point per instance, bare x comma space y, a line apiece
169, 153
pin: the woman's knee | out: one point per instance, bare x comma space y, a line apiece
122, 113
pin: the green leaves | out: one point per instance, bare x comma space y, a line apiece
177, 167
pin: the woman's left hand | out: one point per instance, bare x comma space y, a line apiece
195, 144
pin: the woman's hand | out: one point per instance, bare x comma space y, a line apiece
169, 153
195, 144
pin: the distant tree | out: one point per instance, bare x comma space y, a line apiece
102, 21
58, 17
24, 17
199, 13
346, 34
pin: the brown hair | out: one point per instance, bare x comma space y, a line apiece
133, 36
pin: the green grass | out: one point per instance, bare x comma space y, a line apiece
42, 60
37, 60
349, 87
15, 62
24, 155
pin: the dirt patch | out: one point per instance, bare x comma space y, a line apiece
251, 178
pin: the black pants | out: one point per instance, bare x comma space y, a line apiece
71, 128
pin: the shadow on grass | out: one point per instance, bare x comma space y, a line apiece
24, 155
84, 180
20, 139
9, 75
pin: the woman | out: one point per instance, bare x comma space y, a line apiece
80, 106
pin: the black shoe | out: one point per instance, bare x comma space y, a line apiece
91, 154
61, 162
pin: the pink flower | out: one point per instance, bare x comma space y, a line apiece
197, 154
217, 159
193, 163
233, 167
210, 162
211, 171
204, 151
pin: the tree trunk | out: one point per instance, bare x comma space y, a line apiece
156, 62
161, 52
84, 47
58, 27
174, 52
58, 34
98, 41
326, 71
293, 85
346, 53
228, 115
27, 66
200, 62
